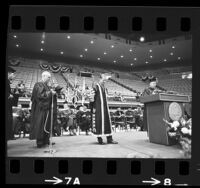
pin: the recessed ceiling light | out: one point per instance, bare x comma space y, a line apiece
179, 58
104, 53
98, 58
68, 37
91, 41
135, 58
165, 60
142, 39
114, 61
146, 62
42, 42
81, 55
130, 50
41, 49
151, 56
121, 56
150, 50
61, 52
86, 49
173, 46
131, 64
112, 46
14, 36
17, 45
171, 53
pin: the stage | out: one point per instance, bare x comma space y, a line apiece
132, 144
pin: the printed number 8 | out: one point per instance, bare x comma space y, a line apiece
167, 181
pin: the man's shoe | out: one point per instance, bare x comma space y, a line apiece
112, 142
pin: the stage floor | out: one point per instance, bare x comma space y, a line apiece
132, 144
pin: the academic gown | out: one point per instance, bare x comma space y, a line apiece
101, 116
10, 102
41, 113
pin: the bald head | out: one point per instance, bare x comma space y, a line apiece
46, 76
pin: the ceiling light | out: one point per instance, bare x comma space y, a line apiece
112, 46
146, 62
91, 41
17, 45
173, 46
151, 56
165, 60
130, 50
68, 37
61, 52
179, 58
121, 56
14, 36
98, 58
135, 58
150, 50
171, 53
81, 55
114, 61
104, 53
42, 42
86, 49
142, 39
131, 64
41, 49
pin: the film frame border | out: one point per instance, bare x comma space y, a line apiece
164, 25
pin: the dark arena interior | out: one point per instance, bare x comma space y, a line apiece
76, 62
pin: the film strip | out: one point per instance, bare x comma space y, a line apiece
108, 171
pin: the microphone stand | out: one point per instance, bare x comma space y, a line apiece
51, 150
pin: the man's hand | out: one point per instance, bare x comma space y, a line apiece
53, 92
10, 96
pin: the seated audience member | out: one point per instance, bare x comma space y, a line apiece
20, 89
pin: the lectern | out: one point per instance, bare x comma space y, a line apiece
159, 106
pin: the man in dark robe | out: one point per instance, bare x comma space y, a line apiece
151, 90
41, 110
101, 118
12, 100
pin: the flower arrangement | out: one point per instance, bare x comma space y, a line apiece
181, 131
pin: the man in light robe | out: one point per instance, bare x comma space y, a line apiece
101, 116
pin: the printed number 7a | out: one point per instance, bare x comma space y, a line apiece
76, 180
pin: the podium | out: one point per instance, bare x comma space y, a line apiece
159, 106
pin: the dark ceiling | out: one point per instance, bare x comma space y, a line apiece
78, 48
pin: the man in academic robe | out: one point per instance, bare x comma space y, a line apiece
151, 90
12, 100
101, 118
41, 111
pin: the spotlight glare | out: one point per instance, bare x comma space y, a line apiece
142, 39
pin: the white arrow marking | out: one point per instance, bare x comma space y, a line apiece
154, 182
56, 180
